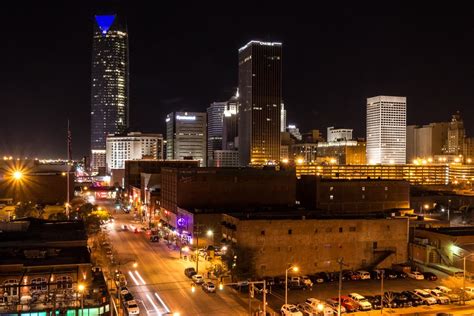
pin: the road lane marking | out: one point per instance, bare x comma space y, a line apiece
162, 303
153, 304
140, 277
133, 277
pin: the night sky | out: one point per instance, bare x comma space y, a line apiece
183, 58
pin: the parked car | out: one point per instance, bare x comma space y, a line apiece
453, 297
375, 301
154, 238
189, 272
319, 306
430, 276
198, 279
363, 275
376, 274
426, 297
401, 275
306, 281
127, 297
469, 291
413, 298
317, 278
290, 310
402, 300
295, 282
124, 227
363, 303
390, 274
306, 310
132, 307
334, 304
349, 275
441, 298
209, 287
415, 275
349, 304
124, 290
269, 280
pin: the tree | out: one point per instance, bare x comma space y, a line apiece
240, 261
388, 298
456, 285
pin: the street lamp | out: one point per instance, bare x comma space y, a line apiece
464, 276
81, 289
135, 264
17, 175
294, 269
210, 233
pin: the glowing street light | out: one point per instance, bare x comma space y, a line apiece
294, 269
210, 233
135, 264
17, 175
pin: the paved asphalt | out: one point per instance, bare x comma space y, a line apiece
159, 281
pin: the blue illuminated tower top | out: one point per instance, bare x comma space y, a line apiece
104, 22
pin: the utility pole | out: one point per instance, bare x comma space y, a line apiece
68, 169
197, 231
381, 291
341, 263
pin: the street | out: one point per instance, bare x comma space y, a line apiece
159, 282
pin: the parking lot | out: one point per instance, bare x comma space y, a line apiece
323, 291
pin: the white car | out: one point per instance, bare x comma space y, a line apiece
453, 297
198, 279
364, 275
469, 291
363, 303
415, 275
132, 308
290, 310
441, 298
426, 297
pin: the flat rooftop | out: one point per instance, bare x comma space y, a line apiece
452, 231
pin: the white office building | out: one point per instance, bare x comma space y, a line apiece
386, 130
339, 134
132, 146
282, 117
186, 136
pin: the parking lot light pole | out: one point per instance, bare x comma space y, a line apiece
381, 291
464, 278
295, 269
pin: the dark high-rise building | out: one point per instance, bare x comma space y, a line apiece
215, 122
109, 93
260, 90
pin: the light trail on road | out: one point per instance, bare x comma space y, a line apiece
133, 278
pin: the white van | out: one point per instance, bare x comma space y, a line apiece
364, 275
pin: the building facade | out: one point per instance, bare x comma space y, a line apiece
386, 130
260, 89
283, 118
230, 124
426, 141
132, 146
226, 158
315, 245
456, 135
186, 136
343, 152
338, 134
110, 82
426, 174
215, 126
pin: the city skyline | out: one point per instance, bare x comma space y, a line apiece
316, 80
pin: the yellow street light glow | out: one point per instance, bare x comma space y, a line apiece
300, 161
176, 314
295, 269
209, 233
81, 287
135, 264
63, 173
284, 160
86, 188
99, 208
320, 307
426, 206
17, 175
221, 286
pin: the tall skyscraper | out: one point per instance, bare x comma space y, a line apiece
109, 93
386, 130
186, 136
230, 123
426, 141
215, 124
456, 135
260, 88
283, 118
